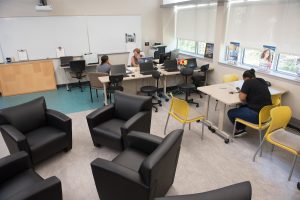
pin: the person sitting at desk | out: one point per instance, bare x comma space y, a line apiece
136, 57
254, 95
104, 67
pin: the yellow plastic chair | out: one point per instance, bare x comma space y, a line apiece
278, 135
230, 78
263, 122
276, 99
179, 110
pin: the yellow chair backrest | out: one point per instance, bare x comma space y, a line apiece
179, 108
276, 100
280, 117
230, 78
264, 115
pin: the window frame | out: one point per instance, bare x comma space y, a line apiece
196, 51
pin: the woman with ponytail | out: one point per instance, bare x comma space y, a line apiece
254, 95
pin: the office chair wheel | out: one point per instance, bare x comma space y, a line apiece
197, 105
298, 185
167, 100
226, 141
160, 104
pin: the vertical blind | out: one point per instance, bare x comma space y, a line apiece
197, 23
265, 23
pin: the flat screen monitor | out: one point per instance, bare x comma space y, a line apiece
171, 64
146, 67
118, 69
174, 54
191, 63
164, 56
145, 60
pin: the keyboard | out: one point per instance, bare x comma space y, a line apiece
146, 73
172, 70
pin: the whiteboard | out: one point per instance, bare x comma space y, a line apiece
41, 36
107, 33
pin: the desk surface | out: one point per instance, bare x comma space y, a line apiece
221, 92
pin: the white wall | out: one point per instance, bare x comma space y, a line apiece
149, 10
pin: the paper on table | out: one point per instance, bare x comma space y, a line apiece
22, 54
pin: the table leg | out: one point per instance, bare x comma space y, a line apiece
67, 84
166, 97
105, 94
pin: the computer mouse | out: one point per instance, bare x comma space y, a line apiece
155, 68
133, 75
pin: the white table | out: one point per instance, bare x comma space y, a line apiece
227, 95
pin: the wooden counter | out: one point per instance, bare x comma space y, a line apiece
27, 77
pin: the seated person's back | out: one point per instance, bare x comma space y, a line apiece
104, 67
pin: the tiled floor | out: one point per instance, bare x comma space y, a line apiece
60, 99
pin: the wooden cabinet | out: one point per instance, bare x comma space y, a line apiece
27, 77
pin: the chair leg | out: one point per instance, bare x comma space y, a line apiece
259, 147
273, 147
166, 124
216, 105
97, 93
153, 106
183, 125
293, 166
260, 140
79, 83
91, 94
234, 127
202, 131
189, 126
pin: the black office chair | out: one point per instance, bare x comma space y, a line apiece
114, 84
78, 67
65, 61
152, 90
187, 87
200, 79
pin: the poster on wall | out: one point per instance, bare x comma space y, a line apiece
209, 50
233, 52
267, 57
130, 37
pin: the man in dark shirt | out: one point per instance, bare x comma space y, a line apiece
254, 95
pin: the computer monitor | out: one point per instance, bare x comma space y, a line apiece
164, 56
171, 64
146, 67
174, 54
191, 63
118, 69
145, 60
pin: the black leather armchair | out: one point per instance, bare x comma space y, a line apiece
110, 125
143, 171
33, 128
18, 181
240, 191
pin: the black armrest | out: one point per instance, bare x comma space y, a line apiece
59, 120
15, 140
13, 164
139, 122
142, 141
125, 182
48, 189
62, 122
240, 191
100, 115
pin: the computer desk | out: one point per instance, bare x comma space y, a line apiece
137, 76
227, 95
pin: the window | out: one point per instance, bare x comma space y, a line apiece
186, 45
201, 48
251, 57
288, 63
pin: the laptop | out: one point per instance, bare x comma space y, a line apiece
171, 65
145, 60
146, 68
191, 63
118, 70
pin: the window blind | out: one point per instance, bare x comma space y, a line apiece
196, 23
265, 23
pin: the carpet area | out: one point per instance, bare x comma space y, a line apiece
203, 164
